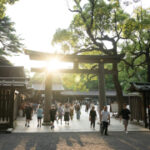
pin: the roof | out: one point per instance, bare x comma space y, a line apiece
41, 86
89, 93
140, 86
12, 76
11, 71
4, 61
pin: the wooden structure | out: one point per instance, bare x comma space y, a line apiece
76, 60
139, 101
12, 80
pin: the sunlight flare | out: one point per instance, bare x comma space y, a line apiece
53, 65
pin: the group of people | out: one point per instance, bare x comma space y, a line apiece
67, 112
58, 112
105, 118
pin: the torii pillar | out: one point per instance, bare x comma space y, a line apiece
48, 98
101, 84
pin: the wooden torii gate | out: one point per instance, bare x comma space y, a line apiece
76, 60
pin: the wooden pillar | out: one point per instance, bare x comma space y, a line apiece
144, 103
11, 96
102, 97
48, 98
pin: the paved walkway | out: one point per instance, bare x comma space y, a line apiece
82, 125
75, 141
76, 136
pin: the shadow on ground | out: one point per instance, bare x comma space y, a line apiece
75, 141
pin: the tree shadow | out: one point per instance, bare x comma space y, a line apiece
130, 141
37, 141
53, 141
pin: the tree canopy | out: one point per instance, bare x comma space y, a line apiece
9, 41
102, 27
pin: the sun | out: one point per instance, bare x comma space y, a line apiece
53, 65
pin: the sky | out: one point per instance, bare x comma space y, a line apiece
36, 22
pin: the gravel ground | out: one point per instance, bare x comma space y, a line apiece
75, 141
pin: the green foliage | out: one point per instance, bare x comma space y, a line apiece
9, 41
137, 47
3, 4
74, 82
97, 22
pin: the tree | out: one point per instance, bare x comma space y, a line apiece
97, 26
137, 46
9, 41
3, 4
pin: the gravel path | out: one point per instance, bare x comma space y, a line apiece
75, 141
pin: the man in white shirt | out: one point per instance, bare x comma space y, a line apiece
105, 120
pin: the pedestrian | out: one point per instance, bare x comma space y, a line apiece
60, 113
125, 115
92, 117
66, 114
71, 111
105, 120
28, 114
78, 111
39, 115
149, 116
87, 107
52, 116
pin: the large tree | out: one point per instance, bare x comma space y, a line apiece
97, 26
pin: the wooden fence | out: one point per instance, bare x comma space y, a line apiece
6, 107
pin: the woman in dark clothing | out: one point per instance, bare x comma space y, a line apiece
92, 116
52, 116
66, 114
28, 113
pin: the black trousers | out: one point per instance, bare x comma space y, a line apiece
104, 127
93, 123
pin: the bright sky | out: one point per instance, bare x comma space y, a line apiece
37, 20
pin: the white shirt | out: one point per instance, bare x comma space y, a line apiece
105, 115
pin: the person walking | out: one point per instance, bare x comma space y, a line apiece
52, 116
71, 111
78, 111
92, 117
28, 114
87, 107
125, 115
39, 115
105, 120
66, 114
60, 113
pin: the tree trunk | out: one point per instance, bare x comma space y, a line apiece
119, 94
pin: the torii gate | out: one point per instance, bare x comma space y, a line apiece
76, 60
